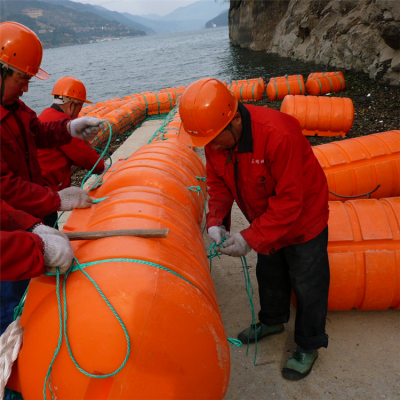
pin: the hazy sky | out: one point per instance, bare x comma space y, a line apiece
139, 7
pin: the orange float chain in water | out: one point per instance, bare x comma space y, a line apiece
248, 81
357, 166
247, 91
320, 83
364, 253
280, 87
320, 116
162, 291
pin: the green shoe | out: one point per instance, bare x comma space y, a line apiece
262, 331
299, 365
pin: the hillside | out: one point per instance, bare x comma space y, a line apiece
220, 20
57, 25
187, 18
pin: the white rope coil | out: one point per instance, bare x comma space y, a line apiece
10, 343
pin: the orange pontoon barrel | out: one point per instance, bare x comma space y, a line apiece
357, 166
282, 86
320, 116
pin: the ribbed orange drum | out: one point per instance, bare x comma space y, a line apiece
364, 254
320, 116
248, 81
282, 86
247, 91
329, 74
357, 166
324, 84
161, 174
160, 288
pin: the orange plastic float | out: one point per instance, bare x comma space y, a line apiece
282, 86
177, 90
337, 75
364, 254
320, 116
248, 81
357, 166
157, 305
325, 84
247, 91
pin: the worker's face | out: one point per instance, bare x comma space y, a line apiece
14, 87
229, 136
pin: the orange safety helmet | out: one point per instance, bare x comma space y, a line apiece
70, 87
21, 49
206, 109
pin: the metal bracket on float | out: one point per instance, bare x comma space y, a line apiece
359, 195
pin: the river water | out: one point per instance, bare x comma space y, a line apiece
121, 67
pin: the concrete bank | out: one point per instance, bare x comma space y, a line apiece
361, 362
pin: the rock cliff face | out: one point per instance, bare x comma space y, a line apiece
358, 35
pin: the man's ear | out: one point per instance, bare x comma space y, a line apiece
237, 119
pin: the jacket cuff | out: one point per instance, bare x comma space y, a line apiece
22, 220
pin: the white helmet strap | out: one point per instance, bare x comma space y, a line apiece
64, 99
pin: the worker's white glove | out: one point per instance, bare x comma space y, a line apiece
57, 252
86, 127
74, 197
216, 233
41, 229
235, 246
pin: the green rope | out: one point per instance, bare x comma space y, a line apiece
198, 190
201, 178
235, 342
212, 253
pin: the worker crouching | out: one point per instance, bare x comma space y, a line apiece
259, 158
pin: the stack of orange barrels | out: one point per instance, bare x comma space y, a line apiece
280, 87
364, 234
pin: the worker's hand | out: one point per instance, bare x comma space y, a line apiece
41, 229
86, 127
235, 246
57, 252
74, 197
216, 233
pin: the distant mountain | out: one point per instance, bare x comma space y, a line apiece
201, 10
221, 20
188, 18
57, 25
102, 12
161, 26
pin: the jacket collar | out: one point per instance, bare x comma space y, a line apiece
5, 110
57, 108
246, 140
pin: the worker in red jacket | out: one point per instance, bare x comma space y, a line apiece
259, 158
21, 133
56, 163
28, 248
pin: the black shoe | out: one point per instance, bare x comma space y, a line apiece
262, 331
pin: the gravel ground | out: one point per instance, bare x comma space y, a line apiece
376, 109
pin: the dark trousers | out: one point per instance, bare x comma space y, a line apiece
304, 268
51, 220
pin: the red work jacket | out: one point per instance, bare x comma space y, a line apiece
21, 251
274, 178
56, 163
21, 182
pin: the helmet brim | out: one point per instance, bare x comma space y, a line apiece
41, 74
191, 140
